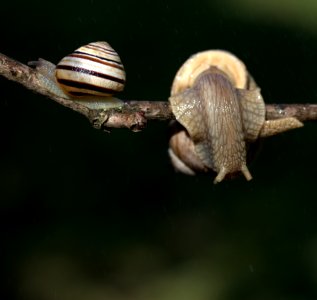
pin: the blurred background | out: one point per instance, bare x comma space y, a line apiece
90, 215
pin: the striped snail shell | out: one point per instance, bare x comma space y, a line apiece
91, 75
93, 69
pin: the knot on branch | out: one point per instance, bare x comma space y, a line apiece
115, 118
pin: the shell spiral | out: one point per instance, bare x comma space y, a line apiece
91, 70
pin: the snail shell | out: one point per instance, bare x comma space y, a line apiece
220, 111
233, 67
90, 75
93, 69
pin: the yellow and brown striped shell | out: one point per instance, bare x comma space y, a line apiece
94, 69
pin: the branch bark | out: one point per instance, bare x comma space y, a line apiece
133, 114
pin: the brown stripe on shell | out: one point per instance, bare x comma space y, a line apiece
95, 58
85, 86
99, 49
90, 72
97, 45
100, 57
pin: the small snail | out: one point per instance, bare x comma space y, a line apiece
91, 75
221, 111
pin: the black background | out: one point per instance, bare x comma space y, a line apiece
90, 215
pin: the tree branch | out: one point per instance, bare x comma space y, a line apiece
133, 114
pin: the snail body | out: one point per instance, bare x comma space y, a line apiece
91, 75
220, 110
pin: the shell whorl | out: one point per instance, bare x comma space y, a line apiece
201, 61
94, 69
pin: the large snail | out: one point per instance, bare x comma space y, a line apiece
91, 75
221, 111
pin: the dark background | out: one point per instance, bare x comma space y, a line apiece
90, 215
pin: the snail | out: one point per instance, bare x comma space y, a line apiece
91, 75
219, 111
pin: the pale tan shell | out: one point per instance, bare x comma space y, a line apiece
182, 152
197, 63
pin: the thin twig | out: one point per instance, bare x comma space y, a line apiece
133, 114
302, 112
